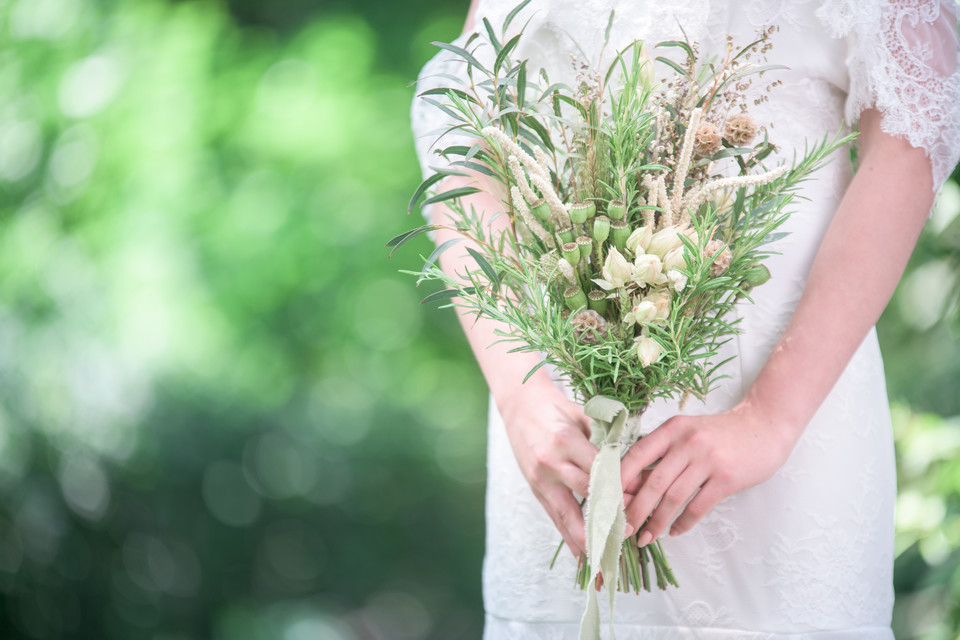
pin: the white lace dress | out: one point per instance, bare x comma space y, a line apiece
809, 553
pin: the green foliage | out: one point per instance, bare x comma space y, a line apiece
224, 414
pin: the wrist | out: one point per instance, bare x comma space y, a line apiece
784, 426
510, 395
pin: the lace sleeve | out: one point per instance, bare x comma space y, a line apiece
903, 61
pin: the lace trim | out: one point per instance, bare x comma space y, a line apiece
903, 60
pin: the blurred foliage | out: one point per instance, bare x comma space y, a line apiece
223, 413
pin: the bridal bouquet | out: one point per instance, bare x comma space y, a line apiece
640, 212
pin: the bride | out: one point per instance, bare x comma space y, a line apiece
776, 495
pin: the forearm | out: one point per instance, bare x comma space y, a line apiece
503, 371
860, 260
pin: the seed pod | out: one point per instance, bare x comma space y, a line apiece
619, 232
597, 300
566, 234
601, 228
581, 211
541, 210
616, 210
586, 246
574, 298
571, 252
756, 275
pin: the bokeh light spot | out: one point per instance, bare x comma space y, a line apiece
228, 496
85, 486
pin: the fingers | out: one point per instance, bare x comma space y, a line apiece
565, 512
641, 455
575, 478
710, 496
654, 488
682, 489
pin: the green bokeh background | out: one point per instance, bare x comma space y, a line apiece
223, 412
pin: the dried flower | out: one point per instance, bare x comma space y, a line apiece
721, 258
740, 129
648, 350
616, 270
588, 326
707, 141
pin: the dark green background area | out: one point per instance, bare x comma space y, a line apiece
223, 412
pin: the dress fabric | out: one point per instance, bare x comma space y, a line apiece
809, 553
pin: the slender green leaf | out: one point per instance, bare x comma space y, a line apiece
463, 53
521, 83
426, 184
505, 51
398, 241
442, 91
673, 65
449, 195
682, 45
491, 35
489, 271
513, 14
446, 294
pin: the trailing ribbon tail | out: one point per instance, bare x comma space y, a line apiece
605, 516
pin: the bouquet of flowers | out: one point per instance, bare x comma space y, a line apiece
640, 212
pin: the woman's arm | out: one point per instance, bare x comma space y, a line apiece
548, 432
854, 274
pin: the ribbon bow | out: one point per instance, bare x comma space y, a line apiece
606, 518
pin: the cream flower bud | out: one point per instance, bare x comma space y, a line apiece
664, 241
647, 72
616, 270
642, 313
673, 259
639, 240
647, 269
677, 280
661, 300
648, 350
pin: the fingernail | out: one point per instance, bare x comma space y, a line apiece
644, 539
630, 531
674, 531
